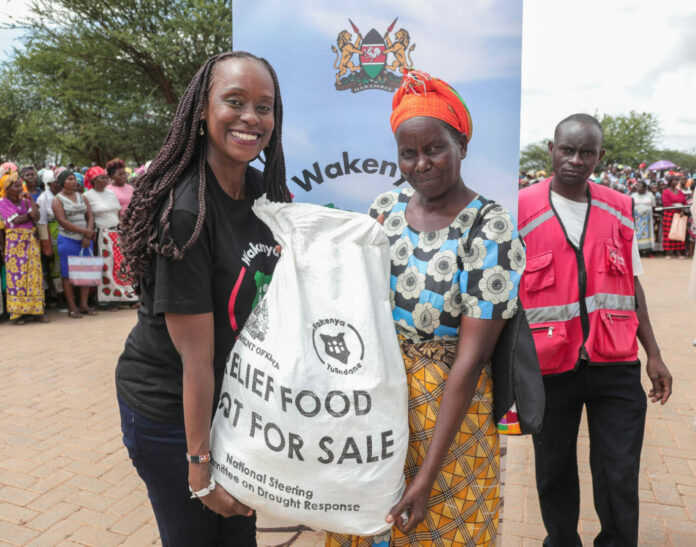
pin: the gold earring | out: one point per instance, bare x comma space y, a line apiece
201, 131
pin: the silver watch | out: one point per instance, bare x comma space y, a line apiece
207, 490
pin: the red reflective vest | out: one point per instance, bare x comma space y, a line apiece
580, 301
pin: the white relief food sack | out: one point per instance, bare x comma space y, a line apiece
312, 422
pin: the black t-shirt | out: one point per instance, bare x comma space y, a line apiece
225, 272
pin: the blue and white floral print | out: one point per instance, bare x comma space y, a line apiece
434, 282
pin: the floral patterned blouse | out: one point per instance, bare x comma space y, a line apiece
434, 281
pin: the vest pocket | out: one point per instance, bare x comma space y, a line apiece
550, 340
539, 272
615, 339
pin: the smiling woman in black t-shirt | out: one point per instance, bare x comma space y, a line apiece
203, 260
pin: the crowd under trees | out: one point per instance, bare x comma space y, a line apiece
98, 79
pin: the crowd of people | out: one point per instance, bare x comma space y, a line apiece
659, 196
48, 214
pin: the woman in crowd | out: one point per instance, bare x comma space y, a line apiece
671, 195
30, 178
643, 203
75, 233
449, 307
184, 235
115, 285
116, 169
24, 281
48, 232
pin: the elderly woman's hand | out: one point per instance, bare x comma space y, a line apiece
411, 509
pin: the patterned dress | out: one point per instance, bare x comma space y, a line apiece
23, 274
433, 282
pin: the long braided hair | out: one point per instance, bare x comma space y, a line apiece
140, 224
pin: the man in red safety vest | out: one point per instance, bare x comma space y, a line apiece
585, 306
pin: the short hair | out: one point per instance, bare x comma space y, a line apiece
114, 165
581, 118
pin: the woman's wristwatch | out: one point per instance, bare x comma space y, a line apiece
205, 491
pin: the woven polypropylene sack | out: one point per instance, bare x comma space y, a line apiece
312, 423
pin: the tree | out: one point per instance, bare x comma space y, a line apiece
111, 71
629, 139
535, 157
27, 127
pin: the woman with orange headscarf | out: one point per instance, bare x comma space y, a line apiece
18, 214
449, 305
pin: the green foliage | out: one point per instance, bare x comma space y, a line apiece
535, 157
110, 72
27, 129
630, 139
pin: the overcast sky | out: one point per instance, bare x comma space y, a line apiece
605, 56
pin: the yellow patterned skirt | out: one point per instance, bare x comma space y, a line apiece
23, 275
464, 503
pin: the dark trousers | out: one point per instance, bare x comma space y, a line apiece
158, 452
616, 406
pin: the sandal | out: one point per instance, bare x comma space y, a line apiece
88, 311
74, 314
19, 321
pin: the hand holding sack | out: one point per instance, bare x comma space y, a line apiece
312, 423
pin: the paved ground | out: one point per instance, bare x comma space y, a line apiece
65, 478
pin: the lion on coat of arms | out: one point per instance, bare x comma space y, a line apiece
400, 49
345, 52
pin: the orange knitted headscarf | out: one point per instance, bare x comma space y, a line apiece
422, 95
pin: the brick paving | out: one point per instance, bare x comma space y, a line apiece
65, 478
668, 463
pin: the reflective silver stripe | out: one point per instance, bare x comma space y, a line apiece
566, 312
609, 209
608, 301
538, 221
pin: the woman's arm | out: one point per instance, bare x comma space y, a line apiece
477, 339
32, 213
33, 209
89, 217
59, 213
193, 338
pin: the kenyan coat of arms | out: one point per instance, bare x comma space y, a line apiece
364, 63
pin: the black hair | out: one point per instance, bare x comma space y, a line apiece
582, 118
62, 177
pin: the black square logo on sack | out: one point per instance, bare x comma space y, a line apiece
338, 345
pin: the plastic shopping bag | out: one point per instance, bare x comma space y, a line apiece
85, 270
312, 423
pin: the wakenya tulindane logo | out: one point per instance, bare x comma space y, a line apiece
338, 345
373, 71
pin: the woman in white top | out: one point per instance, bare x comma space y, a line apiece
643, 203
105, 205
115, 285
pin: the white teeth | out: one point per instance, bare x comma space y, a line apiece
244, 136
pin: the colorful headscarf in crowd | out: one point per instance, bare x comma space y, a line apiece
91, 174
8, 166
7, 180
422, 95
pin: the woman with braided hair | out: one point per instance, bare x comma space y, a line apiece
201, 258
